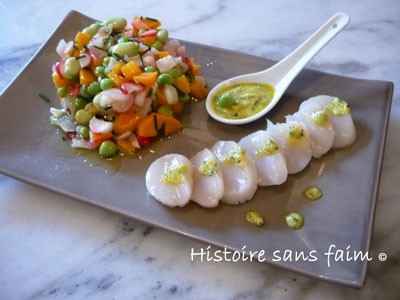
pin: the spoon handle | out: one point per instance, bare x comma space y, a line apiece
287, 69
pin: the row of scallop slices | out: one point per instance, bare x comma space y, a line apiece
231, 172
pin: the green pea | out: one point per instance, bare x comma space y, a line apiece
164, 78
108, 149
225, 100
162, 35
150, 69
99, 71
80, 103
84, 92
125, 48
157, 45
82, 117
62, 91
165, 110
184, 98
83, 132
295, 220
117, 24
71, 67
106, 84
94, 88
92, 29
109, 42
123, 39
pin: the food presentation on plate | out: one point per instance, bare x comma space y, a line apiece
221, 146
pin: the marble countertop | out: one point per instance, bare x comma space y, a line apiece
52, 247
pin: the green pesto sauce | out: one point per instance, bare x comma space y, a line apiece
269, 148
242, 100
338, 107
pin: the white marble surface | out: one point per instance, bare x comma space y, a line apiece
52, 247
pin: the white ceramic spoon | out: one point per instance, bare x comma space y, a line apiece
282, 73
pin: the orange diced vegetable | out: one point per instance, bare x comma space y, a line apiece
126, 146
58, 80
147, 79
131, 69
138, 24
118, 79
98, 138
162, 54
198, 89
151, 23
183, 84
150, 125
161, 96
126, 121
170, 124
86, 76
82, 39
177, 108
148, 40
194, 68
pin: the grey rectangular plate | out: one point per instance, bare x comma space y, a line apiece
32, 151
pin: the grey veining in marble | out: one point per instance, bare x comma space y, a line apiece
52, 247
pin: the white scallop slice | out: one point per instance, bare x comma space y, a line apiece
207, 189
345, 131
170, 194
271, 169
297, 153
240, 180
322, 137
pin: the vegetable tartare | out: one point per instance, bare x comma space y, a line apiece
121, 85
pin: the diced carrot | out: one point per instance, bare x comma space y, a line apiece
98, 138
126, 146
148, 40
86, 76
177, 108
82, 39
138, 24
151, 23
194, 68
162, 54
162, 100
147, 79
150, 125
58, 80
118, 79
183, 84
131, 69
198, 89
170, 124
126, 121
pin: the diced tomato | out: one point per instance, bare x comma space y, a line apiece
144, 141
74, 90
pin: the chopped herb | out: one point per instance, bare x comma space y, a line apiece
313, 193
208, 167
44, 98
255, 218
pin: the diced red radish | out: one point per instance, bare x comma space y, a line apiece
124, 135
150, 32
149, 60
129, 88
140, 98
80, 143
166, 63
100, 126
61, 47
133, 139
115, 98
96, 53
84, 60
171, 94
181, 51
171, 46
57, 67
